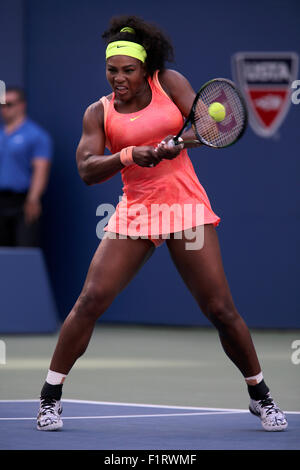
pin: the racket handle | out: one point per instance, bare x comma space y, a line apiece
171, 143
174, 142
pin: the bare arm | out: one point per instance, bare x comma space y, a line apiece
93, 166
40, 176
39, 180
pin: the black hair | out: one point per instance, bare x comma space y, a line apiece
19, 90
158, 46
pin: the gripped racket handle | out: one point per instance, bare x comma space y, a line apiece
171, 143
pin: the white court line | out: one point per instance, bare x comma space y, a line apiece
154, 406
32, 363
131, 416
135, 405
146, 405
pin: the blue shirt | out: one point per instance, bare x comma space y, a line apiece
17, 151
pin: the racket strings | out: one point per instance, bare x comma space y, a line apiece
219, 134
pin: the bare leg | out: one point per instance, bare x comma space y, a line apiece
202, 271
114, 264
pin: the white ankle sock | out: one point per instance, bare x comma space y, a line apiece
255, 379
55, 378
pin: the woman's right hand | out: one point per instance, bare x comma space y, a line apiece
145, 156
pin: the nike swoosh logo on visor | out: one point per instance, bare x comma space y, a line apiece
133, 119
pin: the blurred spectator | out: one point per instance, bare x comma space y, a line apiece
25, 159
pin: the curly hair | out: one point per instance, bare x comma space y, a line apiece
158, 46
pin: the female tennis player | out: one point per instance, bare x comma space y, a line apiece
146, 107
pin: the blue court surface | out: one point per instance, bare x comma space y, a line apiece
90, 425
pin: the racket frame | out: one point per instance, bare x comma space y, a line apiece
191, 117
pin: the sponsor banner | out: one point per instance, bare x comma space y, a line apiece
265, 79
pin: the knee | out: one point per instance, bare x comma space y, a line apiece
93, 301
221, 312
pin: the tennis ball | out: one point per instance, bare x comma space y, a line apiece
217, 111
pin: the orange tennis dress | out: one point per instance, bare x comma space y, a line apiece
159, 200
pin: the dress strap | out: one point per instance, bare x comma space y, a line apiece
106, 104
157, 84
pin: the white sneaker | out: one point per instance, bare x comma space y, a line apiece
272, 418
48, 418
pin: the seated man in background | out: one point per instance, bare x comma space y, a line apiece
25, 159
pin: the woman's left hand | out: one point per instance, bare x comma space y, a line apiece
168, 152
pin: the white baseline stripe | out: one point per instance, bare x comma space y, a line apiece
168, 407
33, 363
131, 416
20, 401
135, 405
111, 403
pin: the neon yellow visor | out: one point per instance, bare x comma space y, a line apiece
132, 49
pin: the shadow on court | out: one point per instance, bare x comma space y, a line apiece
118, 426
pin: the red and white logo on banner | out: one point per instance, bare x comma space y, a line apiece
265, 79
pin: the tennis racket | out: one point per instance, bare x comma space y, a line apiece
207, 130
